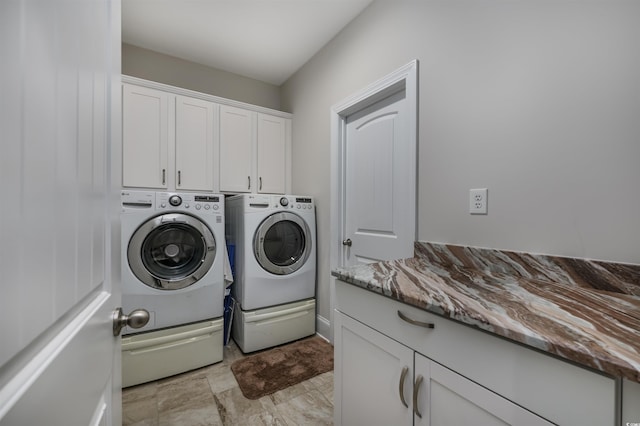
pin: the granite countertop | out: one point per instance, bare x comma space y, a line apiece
581, 310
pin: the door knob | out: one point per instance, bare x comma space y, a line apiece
346, 242
136, 319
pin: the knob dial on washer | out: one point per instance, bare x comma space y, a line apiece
284, 202
175, 200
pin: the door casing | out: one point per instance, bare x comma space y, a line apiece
404, 79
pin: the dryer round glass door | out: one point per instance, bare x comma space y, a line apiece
171, 251
282, 243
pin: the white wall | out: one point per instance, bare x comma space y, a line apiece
537, 100
154, 66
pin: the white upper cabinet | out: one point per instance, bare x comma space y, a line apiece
236, 149
195, 144
272, 147
168, 141
176, 139
254, 152
145, 132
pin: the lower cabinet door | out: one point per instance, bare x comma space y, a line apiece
373, 376
443, 397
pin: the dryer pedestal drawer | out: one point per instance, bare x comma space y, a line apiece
157, 354
264, 328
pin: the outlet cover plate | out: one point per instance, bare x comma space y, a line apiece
478, 201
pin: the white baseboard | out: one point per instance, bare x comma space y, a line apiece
323, 327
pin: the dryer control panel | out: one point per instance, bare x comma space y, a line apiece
184, 201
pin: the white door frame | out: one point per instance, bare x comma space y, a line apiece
404, 78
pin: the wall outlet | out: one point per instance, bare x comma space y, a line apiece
478, 201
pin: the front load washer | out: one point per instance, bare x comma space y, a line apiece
172, 256
275, 264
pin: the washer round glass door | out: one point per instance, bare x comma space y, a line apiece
282, 243
171, 251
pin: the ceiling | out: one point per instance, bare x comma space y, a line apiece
267, 40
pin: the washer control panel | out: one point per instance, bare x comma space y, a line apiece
200, 203
293, 202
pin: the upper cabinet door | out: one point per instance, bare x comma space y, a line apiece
272, 154
236, 149
144, 137
194, 144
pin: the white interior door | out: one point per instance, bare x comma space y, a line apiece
394, 226
60, 90
379, 183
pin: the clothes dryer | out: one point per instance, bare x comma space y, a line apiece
172, 256
275, 264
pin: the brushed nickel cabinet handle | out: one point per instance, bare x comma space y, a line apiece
164, 176
179, 178
403, 376
260, 181
415, 322
249, 180
416, 389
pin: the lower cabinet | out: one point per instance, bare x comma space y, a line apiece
442, 397
396, 364
382, 382
372, 376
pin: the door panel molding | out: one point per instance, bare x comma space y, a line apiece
34, 360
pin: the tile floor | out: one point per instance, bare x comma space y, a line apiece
211, 396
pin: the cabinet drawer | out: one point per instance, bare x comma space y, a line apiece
554, 389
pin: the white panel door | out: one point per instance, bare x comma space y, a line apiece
145, 131
379, 219
194, 144
373, 376
272, 145
60, 119
236, 149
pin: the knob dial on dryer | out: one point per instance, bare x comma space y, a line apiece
175, 200
284, 201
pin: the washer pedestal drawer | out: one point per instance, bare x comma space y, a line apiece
157, 354
273, 326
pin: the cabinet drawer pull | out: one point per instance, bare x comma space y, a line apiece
416, 389
403, 376
249, 180
164, 176
179, 178
415, 322
260, 181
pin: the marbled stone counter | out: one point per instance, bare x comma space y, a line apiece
581, 310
